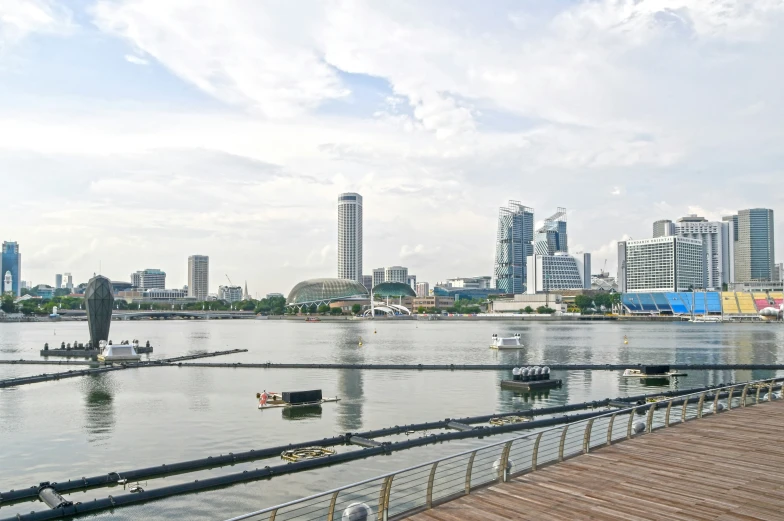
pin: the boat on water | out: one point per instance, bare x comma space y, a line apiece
704, 319
313, 319
512, 342
288, 399
122, 352
652, 371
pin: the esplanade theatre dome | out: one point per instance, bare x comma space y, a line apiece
324, 291
393, 289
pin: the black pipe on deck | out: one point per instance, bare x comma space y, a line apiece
112, 478
484, 367
288, 468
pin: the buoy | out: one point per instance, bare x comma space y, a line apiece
360, 341
625, 340
374, 331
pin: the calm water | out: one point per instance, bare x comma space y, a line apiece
129, 419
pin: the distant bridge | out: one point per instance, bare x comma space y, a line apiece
128, 314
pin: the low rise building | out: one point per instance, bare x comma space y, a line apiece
518, 303
230, 293
429, 302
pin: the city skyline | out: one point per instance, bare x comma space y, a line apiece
135, 139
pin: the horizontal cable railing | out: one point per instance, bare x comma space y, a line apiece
404, 492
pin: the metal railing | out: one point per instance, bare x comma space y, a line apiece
405, 492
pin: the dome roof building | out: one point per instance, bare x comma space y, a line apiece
324, 291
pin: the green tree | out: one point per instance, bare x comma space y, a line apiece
528, 309
544, 310
323, 309
356, 308
313, 308
7, 304
30, 307
335, 311
582, 301
421, 309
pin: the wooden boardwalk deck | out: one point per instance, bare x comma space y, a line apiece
727, 467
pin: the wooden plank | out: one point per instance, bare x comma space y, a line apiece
721, 468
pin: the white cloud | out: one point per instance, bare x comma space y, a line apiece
135, 60
21, 18
623, 111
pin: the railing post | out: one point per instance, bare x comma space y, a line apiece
759, 388
649, 420
273, 514
332, 502
430, 481
683, 411
667, 414
631, 422
587, 437
468, 472
609, 428
383, 498
503, 471
535, 455
770, 391
743, 395
729, 398
700, 405
716, 402
563, 440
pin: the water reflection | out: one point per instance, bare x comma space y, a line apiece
350, 384
301, 413
99, 407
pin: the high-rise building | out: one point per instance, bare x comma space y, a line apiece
514, 243
367, 281
11, 262
198, 276
669, 263
378, 276
551, 237
718, 248
230, 293
754, 247
778, 272
663, 228
350, 236
58, 281
558, 271
149, 279
422, 289
69, 285
396, 274
411, 281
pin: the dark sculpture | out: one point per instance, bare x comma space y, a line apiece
99, 301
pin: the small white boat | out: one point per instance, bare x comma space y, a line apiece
123, 352
512, 342
706, 319
638, 373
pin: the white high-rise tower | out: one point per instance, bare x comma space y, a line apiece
350, 236
198, 276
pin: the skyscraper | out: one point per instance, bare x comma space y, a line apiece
754, 248
663, 228
68, 281
669, 263
350, 236
198, 276
718, 244
11, 262
514, 243
551, 237
58, 280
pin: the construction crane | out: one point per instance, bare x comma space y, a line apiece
227, 278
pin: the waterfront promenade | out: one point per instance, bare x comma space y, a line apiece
725, 467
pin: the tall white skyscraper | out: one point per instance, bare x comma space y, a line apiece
668, 263
514, 243
350, 236
198, 276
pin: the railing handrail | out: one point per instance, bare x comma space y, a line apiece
483, 447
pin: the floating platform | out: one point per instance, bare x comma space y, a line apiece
85, 353
535, 385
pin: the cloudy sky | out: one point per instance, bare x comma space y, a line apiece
134, 133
